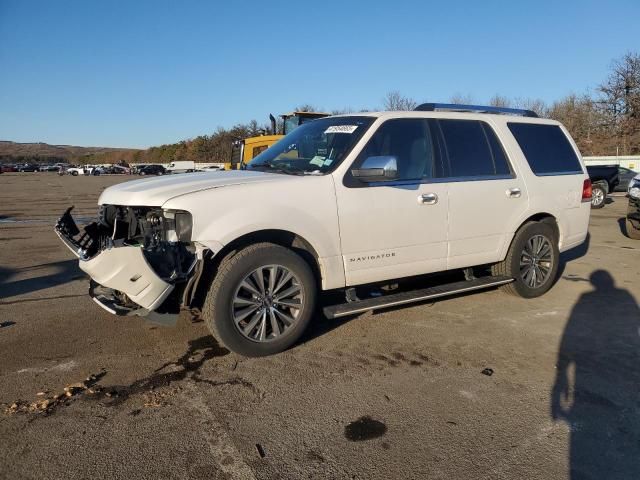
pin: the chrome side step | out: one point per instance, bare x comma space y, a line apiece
396, 299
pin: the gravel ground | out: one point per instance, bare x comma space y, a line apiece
392, 394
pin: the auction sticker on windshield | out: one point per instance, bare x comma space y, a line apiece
341, 129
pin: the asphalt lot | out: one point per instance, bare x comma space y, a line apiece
391, 394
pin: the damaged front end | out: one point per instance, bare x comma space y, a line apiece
140, 259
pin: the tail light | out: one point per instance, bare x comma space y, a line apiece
586, 191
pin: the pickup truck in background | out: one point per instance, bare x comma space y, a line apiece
604, 179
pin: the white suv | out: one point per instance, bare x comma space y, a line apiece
354, 203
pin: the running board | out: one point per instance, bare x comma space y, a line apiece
396, 299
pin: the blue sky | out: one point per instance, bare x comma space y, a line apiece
142, 73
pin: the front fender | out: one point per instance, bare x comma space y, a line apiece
305, 206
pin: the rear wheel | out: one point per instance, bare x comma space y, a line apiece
532, 260
261, 300
598, 196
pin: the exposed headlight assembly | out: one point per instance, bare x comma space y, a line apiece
634, 192
179, 225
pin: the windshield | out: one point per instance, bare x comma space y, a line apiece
313, 148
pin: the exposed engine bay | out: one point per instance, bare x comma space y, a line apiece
140, 259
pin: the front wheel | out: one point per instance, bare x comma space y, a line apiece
261, 300
532, 261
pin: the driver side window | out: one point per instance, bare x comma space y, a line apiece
410, 141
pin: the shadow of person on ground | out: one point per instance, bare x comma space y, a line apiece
597, 386
58, 273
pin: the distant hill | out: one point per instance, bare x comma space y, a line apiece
15, 149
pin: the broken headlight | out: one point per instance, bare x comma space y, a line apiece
178, 225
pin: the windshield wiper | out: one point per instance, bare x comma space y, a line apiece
277, 168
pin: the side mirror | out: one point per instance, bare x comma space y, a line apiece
377, 169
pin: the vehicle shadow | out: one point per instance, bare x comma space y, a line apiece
622, 224
597, 379
573, 254
63, 272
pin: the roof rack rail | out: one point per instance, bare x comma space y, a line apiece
453, 107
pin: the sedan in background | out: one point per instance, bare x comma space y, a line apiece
28, 167
152, 170
5, 167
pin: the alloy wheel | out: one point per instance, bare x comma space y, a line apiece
597, 197
536, 261
267, 303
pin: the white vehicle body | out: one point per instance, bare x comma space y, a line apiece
357, 236
212, 168
181, 166
634, 183
75, 171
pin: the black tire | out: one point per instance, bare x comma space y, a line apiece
218, 308
511, 266
143, 173
74, 173
598, 196
631, 230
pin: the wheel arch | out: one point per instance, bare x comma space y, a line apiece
543, 217
284, 238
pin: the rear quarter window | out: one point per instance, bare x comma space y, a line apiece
473, 149
546, 148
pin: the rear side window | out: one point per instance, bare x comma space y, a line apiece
473, 149
546, 148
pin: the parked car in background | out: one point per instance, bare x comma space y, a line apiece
115, 170
181, 167
83, 170
152, 170
135, 168
7, 167
212, 168
632, 224
604, 180
625, 175
28, 167
49, 168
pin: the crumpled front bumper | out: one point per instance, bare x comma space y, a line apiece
126, 270
121, 268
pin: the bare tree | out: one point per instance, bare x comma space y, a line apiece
394, 101
534, 104
621, 90
499, 101
306, 107
620, 101
460, 99
341, 111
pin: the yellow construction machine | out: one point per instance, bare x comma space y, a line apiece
243, 151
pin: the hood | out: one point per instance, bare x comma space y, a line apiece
154, 192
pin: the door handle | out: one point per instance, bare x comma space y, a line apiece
428, 199
514, 192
